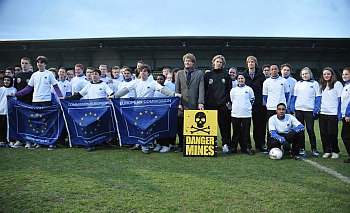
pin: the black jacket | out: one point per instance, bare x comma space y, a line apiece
217, 86
256, 84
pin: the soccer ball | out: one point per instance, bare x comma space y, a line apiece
276, 153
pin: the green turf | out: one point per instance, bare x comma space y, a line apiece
120, 180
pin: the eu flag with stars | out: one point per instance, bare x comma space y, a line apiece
89, 122
141, 121
36, 124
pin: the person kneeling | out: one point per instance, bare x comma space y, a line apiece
285, 129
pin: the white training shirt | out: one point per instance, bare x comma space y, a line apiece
170, 85
99, 90
76, 83
306, 92
345, 99
144, 89
42, 81
65, 86
124, 84
241, 98
291, 83
275, 89
329, 102
4, 91
283, 125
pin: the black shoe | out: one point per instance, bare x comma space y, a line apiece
262, 149
248, 151
90, 149
347, 160
296, 157
234, 150
180, 149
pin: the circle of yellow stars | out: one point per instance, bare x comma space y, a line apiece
144, 113
97, 125
35, 128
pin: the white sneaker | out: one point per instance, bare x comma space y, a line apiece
326, 155
335, 155
315, 153
17, 144
302, 152
29, 145
51, 147
37, 146
158, 148
225, 148
165, 149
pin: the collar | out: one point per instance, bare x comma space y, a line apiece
81, 75
311, 80
275, 77
97, 82
346, 83
128, 80
241, 86
281, 118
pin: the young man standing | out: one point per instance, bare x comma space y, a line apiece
255, 79
217, 87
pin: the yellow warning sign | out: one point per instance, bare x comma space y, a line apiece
200, 133
201, 122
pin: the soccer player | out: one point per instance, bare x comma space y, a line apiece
285, 129
306, 103
144, 88
330, 112
345, 110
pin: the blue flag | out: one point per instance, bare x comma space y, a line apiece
36, 124
89, 122
143, 120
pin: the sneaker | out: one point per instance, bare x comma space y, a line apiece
158, 148
135, 147
29, 145
17, 144
165, 149
51, 147
225, 148
145, 149
151, 145
173, 147
315, 153
302, 152
326, 155
335, 155
37, 146
347, 160
2, 144
90, 149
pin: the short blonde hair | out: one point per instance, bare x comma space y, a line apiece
309, 71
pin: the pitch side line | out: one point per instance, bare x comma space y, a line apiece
329, 171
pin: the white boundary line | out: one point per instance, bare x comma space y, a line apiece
328, 170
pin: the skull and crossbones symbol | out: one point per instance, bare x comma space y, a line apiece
200, 118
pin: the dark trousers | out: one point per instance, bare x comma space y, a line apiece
273, 143
180, 130
329, 133
269, 113
259, 125
308, 118
224, 121
3, 128
241, 133
43, 103
345, 135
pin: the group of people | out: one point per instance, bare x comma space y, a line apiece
268, 96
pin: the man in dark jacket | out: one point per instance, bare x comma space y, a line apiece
217, 86
255, 79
